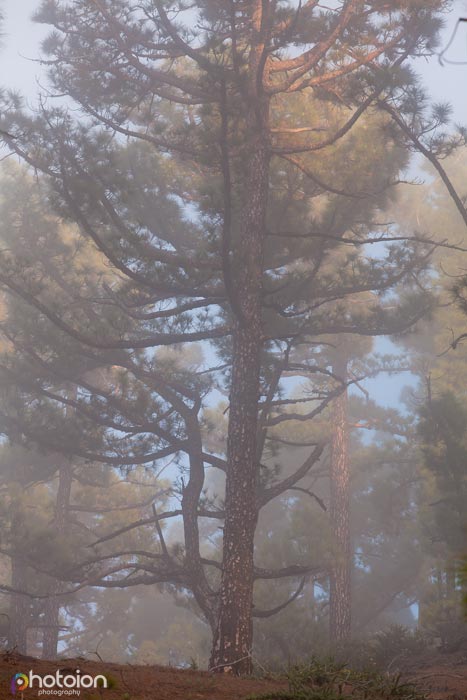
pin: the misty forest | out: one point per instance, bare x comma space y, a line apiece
233, 348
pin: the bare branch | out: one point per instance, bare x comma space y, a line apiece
263, 614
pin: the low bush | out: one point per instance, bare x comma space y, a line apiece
331, 680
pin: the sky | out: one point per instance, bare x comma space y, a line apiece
446, 83
22, 37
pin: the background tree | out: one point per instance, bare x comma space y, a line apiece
439, 398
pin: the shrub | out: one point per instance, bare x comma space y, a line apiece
396, 642
330, 680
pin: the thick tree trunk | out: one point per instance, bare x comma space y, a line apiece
233, 639
340, 580
53, 604
234, 635
19, 609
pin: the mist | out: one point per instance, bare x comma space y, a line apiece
233, 349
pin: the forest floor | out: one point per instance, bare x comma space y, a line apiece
441, 676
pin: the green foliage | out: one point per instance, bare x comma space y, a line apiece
385, 651
330, 680
442, 620
396, 643
439, 402
443, 432
111, 682
134, 201
443, 428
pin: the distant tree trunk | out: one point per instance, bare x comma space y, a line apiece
340, 580
19, 609
451, 579
313, 600
233, 639
53, 603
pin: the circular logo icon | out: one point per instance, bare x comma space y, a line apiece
19, 682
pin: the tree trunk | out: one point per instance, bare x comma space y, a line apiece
53, 603
19, 609
313, 600
340, 580
233, 639
234, 634
451, 579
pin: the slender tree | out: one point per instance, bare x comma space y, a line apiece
19, 609
53, 603
340, 595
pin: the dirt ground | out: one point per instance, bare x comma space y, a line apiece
443, 677
134, 682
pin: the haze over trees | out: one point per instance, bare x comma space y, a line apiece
208, 234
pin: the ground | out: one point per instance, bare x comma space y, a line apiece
135, 682
443, 677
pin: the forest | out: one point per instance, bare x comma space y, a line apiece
233, 350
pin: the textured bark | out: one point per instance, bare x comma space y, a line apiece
53, 604
233, 638
234, 634
340, 580
19, 609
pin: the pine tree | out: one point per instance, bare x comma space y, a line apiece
206, 100
340, 596
438, 357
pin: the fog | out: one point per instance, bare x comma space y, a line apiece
233, 338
